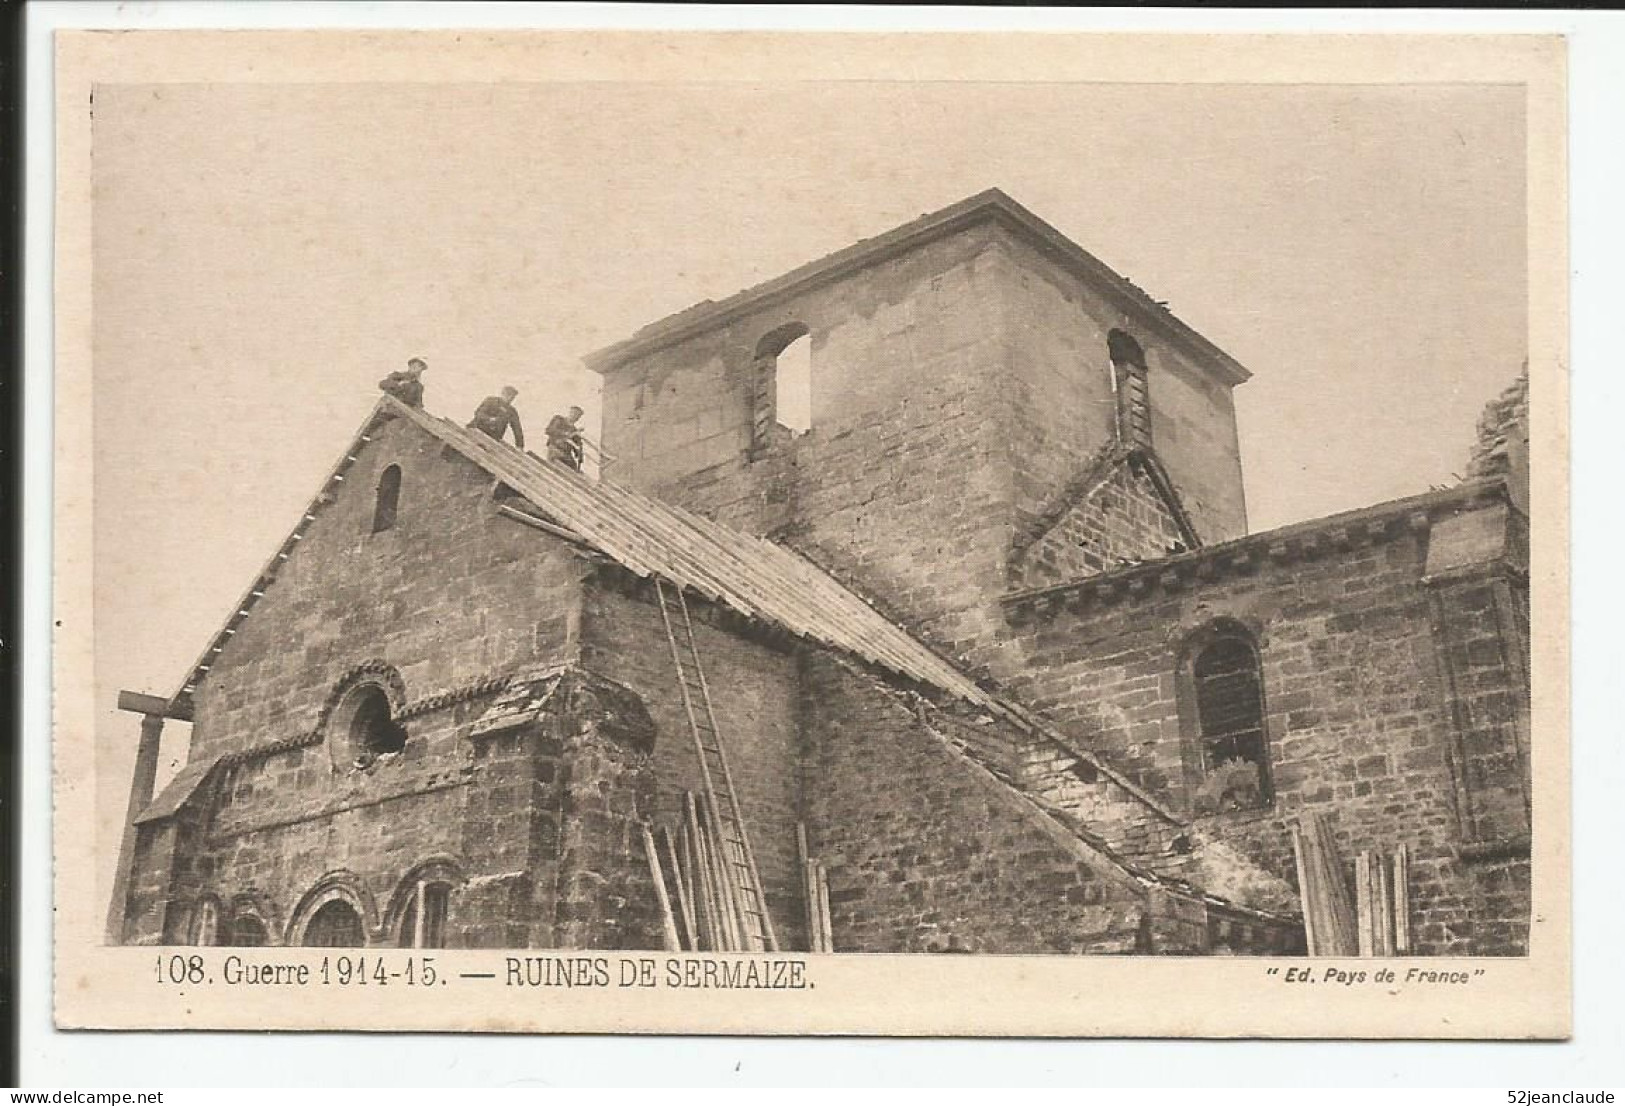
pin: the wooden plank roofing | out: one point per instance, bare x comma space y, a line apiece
757, 578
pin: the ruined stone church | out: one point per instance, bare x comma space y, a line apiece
982, 631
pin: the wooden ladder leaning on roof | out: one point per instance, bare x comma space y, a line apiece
744, 892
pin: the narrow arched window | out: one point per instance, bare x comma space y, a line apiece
206, 923
389, 499
794, 367
423, 922
1132, 389
781, 384
334, 925
1228, 698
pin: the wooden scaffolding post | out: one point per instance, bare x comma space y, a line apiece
1381, 891
668, 924
1402, 900
1305, 896
1362, 903
704, 891
685, 902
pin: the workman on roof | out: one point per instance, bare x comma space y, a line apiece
564, 442
496, 414
406, 386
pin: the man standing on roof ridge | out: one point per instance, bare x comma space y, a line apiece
496, 414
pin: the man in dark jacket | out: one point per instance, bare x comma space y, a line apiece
564, 439
406, 386
496, 414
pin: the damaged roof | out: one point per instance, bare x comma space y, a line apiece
759, 579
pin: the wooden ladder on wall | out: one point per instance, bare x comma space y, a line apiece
744, 890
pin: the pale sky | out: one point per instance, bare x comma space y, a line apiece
264, 253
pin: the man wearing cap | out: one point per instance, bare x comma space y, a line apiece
564, 439
496, 414
406, 386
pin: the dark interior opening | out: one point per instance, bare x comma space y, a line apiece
372, 730
335, 925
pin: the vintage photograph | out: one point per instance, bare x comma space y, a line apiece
1008, 518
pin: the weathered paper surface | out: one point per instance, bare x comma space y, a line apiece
254, 227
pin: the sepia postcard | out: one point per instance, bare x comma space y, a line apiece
798, 533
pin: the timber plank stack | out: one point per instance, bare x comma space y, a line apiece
701, 905
1382, 889
1372, 921
1328, 912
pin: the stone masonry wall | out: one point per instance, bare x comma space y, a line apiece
1480, 599
277, 827
606, 893
1356, 701
875, 334
453, 593
1062, 406
1105, 810
1121, 520
369, 836
927, 852
897, 488
753, 691
152, 912
908, 509
957, 388
537, 833
454, 598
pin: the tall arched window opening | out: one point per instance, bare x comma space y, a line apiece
1132, 389
1228, 699
206, 923
389, 499
423, 922
795, 386
781, 390
334, 925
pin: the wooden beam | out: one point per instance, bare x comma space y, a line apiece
142, 780
140, 703
668, 922
1305, 898
1402, 901
1381, 893
1363, 906
826, 931
542, 524
685, 904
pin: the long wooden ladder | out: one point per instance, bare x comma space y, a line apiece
738, 866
